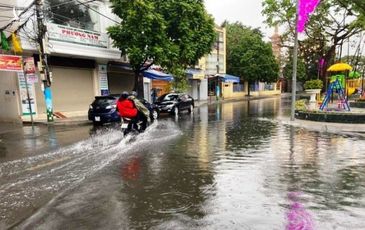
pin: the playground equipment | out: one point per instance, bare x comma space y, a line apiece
337, 84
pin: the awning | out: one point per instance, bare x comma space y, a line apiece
157, 75
229, 78
197, 74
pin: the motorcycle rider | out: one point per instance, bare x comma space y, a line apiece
125, 107
128, 108
143, 113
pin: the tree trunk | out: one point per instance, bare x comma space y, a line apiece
248, 89
329, 59
138, 84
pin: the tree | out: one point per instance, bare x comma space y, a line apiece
172, 34
248, 56
333, 22
301, 69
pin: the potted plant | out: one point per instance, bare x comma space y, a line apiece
313, 87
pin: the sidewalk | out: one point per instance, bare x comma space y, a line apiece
77, 120
330, 127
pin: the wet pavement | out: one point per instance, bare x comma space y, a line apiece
230, 165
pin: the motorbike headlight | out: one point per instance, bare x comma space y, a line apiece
111, 107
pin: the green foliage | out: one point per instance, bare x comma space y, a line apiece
248, 56
180, 83
313, 84
301, 69
172, 34
301, 105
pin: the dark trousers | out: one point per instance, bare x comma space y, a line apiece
140, 117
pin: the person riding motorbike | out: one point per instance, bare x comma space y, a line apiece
143, 112
128, 109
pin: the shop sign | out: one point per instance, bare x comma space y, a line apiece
77, 36
103, 80
23, 95
11, 63
29, 70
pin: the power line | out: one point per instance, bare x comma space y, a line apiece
23, 12
97, 12
61, 4
64, 3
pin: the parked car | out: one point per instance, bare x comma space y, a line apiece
173, 103
104, 109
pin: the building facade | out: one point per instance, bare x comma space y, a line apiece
82, 61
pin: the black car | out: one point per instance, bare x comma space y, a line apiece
174, 103
104, 109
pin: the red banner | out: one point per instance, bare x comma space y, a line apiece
11, 63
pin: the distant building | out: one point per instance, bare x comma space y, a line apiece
277, 51
276, 44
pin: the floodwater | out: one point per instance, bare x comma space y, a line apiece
228, 166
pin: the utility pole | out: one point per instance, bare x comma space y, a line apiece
43, 64
295, 61
217, 90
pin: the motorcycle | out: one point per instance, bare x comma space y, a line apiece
129, 126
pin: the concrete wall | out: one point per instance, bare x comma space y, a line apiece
227, 91
9, 97
265, 93
193, 89
204, 89
198, 89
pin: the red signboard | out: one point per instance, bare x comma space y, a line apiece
11, 63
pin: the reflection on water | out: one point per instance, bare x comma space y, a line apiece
229, 166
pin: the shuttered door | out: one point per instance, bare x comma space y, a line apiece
72, 89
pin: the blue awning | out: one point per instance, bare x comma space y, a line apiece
229, 78
157, 75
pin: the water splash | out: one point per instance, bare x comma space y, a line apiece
26, 181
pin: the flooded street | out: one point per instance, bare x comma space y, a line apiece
228, 166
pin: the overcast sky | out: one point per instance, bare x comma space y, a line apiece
246, 11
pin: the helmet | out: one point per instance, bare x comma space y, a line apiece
124, 95
133, 93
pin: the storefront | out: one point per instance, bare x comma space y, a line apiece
73, 83
10, 104
160, 83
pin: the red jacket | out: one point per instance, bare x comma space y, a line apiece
126, 108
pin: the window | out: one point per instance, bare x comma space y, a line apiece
73, 14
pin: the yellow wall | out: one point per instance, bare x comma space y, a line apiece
227, 91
